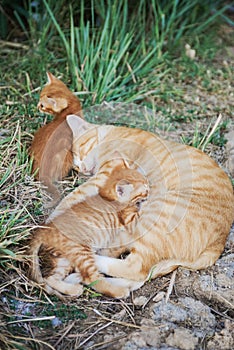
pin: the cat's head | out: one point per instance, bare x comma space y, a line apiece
86, 137
56, 99
125, 183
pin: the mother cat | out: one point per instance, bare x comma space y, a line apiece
188, 214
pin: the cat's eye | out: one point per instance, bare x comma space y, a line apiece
40, 105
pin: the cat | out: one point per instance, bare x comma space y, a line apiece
93, 222
51, 146
188, 214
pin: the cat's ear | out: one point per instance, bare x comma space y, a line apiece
124, 190
59, 104
77, 125
50, 78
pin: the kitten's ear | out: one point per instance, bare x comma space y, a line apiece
50, 77
119, 160
124, 190
77, 125
59, 104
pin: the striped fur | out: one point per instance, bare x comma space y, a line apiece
92, 224
188, 214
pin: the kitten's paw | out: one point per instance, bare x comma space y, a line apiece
73, 278
103, 263
64, 287
75, 290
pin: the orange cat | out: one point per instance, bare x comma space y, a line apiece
93, 222
188, 215
51, 146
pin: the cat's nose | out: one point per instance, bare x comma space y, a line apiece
146, 190
83, 168
86, 171
40, 105
146, 186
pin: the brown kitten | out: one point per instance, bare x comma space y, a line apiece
93, 222
51, 146
185, 221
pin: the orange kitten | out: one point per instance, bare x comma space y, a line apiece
93, 223
51, 146
188, 215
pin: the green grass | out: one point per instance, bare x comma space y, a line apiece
113, 51
122, 58
131, 57
56, 313
212, 134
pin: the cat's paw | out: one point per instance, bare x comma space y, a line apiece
125, 294
64, 287
73, 278
119, 293
120, 288
111, 288
134, 285
124, 283
74, 290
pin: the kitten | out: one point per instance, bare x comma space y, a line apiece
187, 217
93, 222
51, 146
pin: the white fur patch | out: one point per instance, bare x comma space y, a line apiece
102, 263
73, 278
122, 282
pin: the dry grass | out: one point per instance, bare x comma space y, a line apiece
29, 318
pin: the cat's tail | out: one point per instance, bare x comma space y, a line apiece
33, 252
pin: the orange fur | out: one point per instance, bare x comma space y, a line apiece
187, 217
51, 146
93, 222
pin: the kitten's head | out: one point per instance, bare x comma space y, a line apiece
57, 99
124, 183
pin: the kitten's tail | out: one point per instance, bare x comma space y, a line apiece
34, 247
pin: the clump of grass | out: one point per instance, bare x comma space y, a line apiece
120, 53
212, 134
113, 50
107, 62
18, 192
